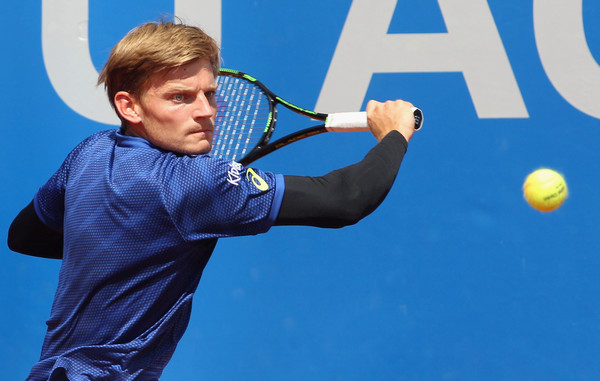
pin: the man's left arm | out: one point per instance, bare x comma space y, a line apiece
29, 235
347, 195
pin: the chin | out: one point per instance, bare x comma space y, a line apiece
199, 150
201, 146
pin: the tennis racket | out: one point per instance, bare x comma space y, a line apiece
247, 114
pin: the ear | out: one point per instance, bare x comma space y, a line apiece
126, 105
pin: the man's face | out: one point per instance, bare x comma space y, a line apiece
177, 110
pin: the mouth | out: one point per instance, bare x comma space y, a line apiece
207, 132
203, 137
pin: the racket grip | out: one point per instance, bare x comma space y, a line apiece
357, 121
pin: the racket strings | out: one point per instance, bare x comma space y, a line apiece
243, 116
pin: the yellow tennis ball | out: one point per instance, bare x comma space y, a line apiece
545, 190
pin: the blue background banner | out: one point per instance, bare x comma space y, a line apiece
454, 277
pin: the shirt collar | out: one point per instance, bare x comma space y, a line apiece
129, 141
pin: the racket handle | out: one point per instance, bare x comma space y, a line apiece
357, 121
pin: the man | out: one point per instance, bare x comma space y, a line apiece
135, 213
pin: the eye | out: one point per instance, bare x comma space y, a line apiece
210, 95
178, 97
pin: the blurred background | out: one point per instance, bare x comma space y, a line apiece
454, 277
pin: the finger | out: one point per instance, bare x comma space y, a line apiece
371, 105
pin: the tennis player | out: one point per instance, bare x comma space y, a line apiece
135, 213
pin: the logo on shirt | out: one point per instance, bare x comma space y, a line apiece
258, 181
233, 175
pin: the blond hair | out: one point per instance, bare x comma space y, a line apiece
152, 48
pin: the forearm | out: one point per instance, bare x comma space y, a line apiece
345, 196
28, 235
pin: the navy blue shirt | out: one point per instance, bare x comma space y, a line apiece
139, 226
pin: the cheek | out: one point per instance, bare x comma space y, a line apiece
165, 120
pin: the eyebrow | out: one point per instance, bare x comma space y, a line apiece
178, 87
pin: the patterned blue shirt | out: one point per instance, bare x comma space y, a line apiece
139, 226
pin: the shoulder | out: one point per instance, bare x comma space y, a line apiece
107, 137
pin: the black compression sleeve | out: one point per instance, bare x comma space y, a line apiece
28, 235
344, 196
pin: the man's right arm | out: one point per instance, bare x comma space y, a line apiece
28, 235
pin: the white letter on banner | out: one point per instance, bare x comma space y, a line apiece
471, 46
205, 14
565, 55
67, 58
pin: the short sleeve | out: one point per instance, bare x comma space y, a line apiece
212, 198
49, 201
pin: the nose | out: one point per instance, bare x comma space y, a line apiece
203, 108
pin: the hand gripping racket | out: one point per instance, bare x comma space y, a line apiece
247, 114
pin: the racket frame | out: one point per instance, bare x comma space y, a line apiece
264, 146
